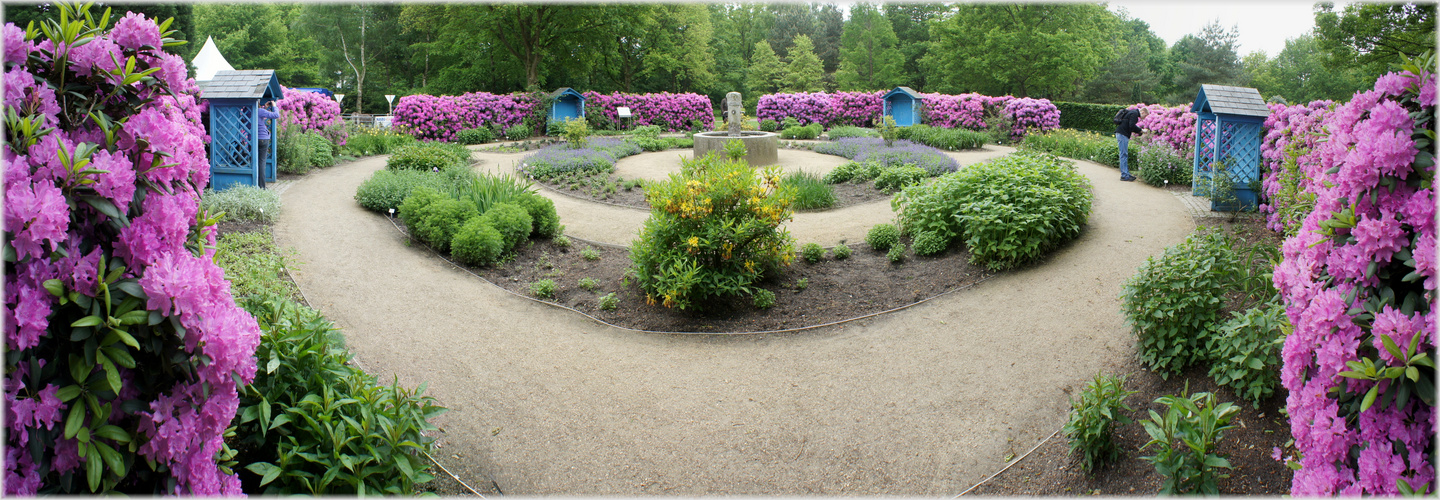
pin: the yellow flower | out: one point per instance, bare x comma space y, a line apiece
694, 241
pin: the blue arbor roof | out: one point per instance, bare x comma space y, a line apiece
1228, 128
903, 104
234, 98
566, 103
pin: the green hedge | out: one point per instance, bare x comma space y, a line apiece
1086, 116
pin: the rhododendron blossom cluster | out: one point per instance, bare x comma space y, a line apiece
1292, 134
863, 109
956, 111
1362, 270
439, 118
673, 112
1031, 115
1172, 126
311, 111
102, 184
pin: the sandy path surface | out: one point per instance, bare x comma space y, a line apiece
927, 401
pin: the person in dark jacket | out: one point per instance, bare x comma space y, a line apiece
267, 113
1129, 124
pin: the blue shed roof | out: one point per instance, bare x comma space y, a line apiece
905, 91
1224, 99
242, 84
564, 91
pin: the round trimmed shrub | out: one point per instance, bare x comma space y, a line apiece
812, 252
512, 221
439, 221
414, 204
480, 135
387, 189
477, 243
929, 243
882, 237
542, 214
840, 252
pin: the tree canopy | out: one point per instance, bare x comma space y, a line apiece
1022, 49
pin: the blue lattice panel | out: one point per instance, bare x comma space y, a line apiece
233, 150
1205, 144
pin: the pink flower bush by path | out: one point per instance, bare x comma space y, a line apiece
955, 111
311, 111
804, 107
1290, 131
1030, 116
1346, 285
863, 109
118, 233
439, 118
672, 112
1172, 126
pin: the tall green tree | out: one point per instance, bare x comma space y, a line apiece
1299, 73
258, 36
1134, 75
1207, 58
791, 19
804, 73
676, 40
536, 33
1045, 50
767, 73
869, 59
1373, 35
829, 28
911, 22
355, 35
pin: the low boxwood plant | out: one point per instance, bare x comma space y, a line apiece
480, 135
436, 223
1245, 351
1174, 301
840, 252
477, 243
242, 203
882, 236
1093, 418
1185, 438
812, 252
387, 189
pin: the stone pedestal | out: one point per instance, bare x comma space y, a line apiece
761, 147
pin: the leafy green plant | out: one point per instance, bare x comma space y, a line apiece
438, 222
807, 132
735, 149
477, 243
898, 177
1162, 165
575, 131
844, 131
366, 141
254, 265
561, 241
882, 236
480, 135
1245, 351
811, 193
311, 423
609, 302
840, 252
242, 203
769, 125
953, 139
543, 217
887, 130
812, 252
1185, 438
802, 284
517, 132
762, 298
512, 221
1173, 302
896, 253
929, 243
590, 284
428, 156
1093, 419
789, 122
544, 289
486, 190
589, 253
387, 189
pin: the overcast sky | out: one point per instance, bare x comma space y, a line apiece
1263, 24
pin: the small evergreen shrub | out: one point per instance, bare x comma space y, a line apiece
387, 189
840, 252
763, 299
439, 221
898, 177
517, 132
243, 203
428, 156
769, 125
1173, 302
929, 243
896, 253
1093, 419
543, 217
882, 237
512, 221
413, 207
477, 243
1245, 352
812, 252
609, 302
544, 289
789, 122
480, 135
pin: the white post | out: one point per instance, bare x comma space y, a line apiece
390, 99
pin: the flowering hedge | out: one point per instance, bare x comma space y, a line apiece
856, 109
804, 107
1031, 115
439, 118
863, 109
674, 112
311, 111
1358, 281
123, 337
1292, 134
1173, 126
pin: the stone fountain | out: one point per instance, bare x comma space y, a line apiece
760, 147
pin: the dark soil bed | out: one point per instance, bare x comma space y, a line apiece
846, 194
805, 294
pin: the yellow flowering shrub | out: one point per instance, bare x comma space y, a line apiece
714, 231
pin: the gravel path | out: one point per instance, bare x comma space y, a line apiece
927, 401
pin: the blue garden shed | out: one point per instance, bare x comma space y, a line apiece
566, 104
903, 104
234, 99
1229, 124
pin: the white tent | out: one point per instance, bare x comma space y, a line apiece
209, 61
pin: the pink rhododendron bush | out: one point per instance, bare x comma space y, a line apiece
863, 109
439, 118
1358, 280
673, 112
1028, 116
1173, 126
1292, 135
311, 112
955, 111
124, 345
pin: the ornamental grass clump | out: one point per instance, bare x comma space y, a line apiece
1009, 211
1093, 419
242, 203
125, 350
714, 231
811, 193
1174, 302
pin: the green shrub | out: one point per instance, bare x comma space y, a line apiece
322, 150
735, 149
413, 206
896, 253
328, 427
807, 132
561, 241
769, 125
1009, 211
844, 131
1087, 116
517, 132
366, 141
812, 252
1185, 438
945, 138
243, 203
929, 243
763, 299
840, 252
439, 221
714, 230
480, 135
386, 189
811, 193
575, 131
788, 122
542, 214
1093, 419
1173, 302
254, 266
841, 173
512, 221
428, 156
477, 243
882, 236
544, 289
609, 302
1245, 352
1082, 145
900, 176
590, 253
589, 284
1161, 165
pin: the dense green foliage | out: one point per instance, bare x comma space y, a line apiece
1093, 419
953, 139
812, 252
844, 131
512, 221
811, 193
428, 156
297, 152
386, 189
254, 266
436, 223
882, 236
1086, 116
477, 243
480, 135
1174, 301
840, 252
366, 141
899, 177
242, 203
1245, 352
1021, 49
1009, 211
1185, 438
807, 132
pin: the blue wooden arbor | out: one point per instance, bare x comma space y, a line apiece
903, 104
566, 104
1229, 124
234, 98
